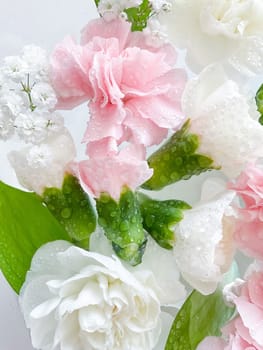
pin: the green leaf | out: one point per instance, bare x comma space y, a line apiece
122, 223
71, 206
26, 224
160, 216
177, 160
259, 101
138, 16
201, 316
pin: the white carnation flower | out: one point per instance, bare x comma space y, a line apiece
43, 166
213, 30
74, 299
204, 243
172, 291
220, 115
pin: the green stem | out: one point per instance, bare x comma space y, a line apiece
27, 89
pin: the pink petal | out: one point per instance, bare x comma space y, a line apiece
141, 67
104, 122
255, 288
249, 238
159, 109
143, 131
111, 173
103, 148
138, 40
105, 82
99, 28
214, 343
69, 68
252, 317
242, 336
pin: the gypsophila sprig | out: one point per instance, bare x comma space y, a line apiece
27, 97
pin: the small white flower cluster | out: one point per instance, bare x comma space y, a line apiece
161, 5
112, 9
155, 33
27, 100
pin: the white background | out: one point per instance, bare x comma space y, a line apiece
44, 23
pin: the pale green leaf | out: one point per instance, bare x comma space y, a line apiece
201, 316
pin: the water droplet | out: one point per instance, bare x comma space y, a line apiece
83, 203
66, 213
124, 225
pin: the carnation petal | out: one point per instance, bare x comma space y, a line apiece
92, 314
199, 236
214, 343
220, 116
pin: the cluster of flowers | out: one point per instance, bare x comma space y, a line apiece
27, 109
138, 96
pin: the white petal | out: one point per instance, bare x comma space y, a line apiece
197, 239
45, 308
221, 117
32, 294
45, 260
42, 332
37, 175
93, 318
163, 265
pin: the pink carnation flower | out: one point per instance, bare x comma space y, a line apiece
245, 331
249, 229
109, 170
134, 89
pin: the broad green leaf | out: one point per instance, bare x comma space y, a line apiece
259, 101
178, 159
25, 225
122, 223
159, 217
138, 16
201, 316
72, 208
